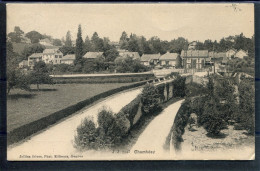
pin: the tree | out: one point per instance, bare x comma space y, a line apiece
110, 55
67, 50
40, 74
34, 48
57, 42
123, 41
34, 36
15, 78
178, 62
79, 47
150, 99
68, 42
87, 45
97, 43
16, 36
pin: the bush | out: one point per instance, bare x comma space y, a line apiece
160, 89
86, 134
194, 89
150, 99
211, 118
130, 110
179, 86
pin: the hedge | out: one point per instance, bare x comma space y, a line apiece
103, 79
35, 126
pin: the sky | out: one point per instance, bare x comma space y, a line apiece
166, 20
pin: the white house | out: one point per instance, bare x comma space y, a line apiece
52, 56
241, 54
68, 59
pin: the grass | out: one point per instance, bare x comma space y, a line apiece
24, 107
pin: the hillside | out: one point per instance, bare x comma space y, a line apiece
19, 47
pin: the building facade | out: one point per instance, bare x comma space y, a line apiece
241, 54
35, 57
68, 59
52, 56
194, 59
168, 59
150, 59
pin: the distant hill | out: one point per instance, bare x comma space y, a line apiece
19, 47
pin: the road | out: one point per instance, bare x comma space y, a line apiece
154, 136
58, 139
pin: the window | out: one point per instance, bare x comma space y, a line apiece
56, 56
188, 60
198, 60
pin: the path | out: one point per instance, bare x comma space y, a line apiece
154, 136
58, 139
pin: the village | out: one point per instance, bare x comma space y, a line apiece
192, 60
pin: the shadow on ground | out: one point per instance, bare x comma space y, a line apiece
219, 136
20, 96
46, 89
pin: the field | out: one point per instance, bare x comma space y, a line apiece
24, 107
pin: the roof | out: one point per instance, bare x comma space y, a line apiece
69, 57
148, 57
169, 56
217, 54
134, 55
51, 51
195, 53
36, 55
93, 55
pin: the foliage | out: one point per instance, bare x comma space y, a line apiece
15, 77
33, 48
111, 54
16, 36
68, 41
194, 89
79, 48
128, 64
67, 50
178, 62
130, 110
160, 89
150, 99
34, 36
40, 74
57, 42
179, 86
246, 115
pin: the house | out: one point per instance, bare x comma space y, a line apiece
192, 45
168, 59
241, 54
134, 55
93, 55
231, 53
150, 59
68, 59
45, 42
35, 57
52, 56
23, 64
194, 58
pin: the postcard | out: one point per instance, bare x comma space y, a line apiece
130, 81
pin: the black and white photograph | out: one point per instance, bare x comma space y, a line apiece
130, 81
